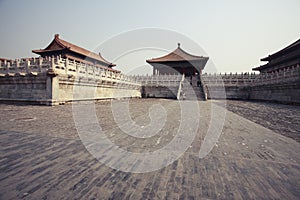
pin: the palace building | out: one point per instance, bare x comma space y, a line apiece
65, 72
284, 59
178, 61
59, 47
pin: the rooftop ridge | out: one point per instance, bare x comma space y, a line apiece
177, 55
77, 49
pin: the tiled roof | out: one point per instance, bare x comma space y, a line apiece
292, 46
176, 55
290, 52
58, 44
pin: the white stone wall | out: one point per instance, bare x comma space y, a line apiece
281, 86
160, 86
291, 74
56, 80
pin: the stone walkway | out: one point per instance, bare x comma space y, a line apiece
42, 157
282, 119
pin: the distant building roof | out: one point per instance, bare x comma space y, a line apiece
291, 47
282, 58
59, 44
175, 56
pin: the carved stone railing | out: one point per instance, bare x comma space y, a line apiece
63, 67
23, 67
251, 79
159, 80
229, 79
80, 70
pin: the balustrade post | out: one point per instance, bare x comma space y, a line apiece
52, 63
66, 65
7, 66
17, 63
27, 65
94, 72
87, 71
40, 63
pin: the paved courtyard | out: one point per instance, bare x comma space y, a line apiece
255, 157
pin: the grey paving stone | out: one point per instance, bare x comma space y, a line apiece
44, 158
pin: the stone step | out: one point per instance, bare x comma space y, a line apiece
192, 93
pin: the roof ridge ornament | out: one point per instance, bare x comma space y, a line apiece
56, 36
178, 44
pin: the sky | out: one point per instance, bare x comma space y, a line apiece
235, 34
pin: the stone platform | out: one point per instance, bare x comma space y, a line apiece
42, 157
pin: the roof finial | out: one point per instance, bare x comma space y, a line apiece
56, 36
178, 44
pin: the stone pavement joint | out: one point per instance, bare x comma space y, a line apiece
44, 158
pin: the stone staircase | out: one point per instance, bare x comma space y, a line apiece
192, 92
191, 89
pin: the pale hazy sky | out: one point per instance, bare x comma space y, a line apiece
234, 34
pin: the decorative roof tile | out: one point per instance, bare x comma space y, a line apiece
291, 47
176, 55
59, 44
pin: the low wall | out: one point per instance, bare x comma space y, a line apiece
283, 93
227, 92
54, 81
282, 86
160, 86
28, 88
168, 92
74, 89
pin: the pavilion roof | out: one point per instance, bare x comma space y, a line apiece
177, 55
59, 44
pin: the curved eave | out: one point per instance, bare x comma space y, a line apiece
265, 59
84, 52
178, 55
292, 47
112, 65
262, 67
200, 59
256, 69
40, 51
